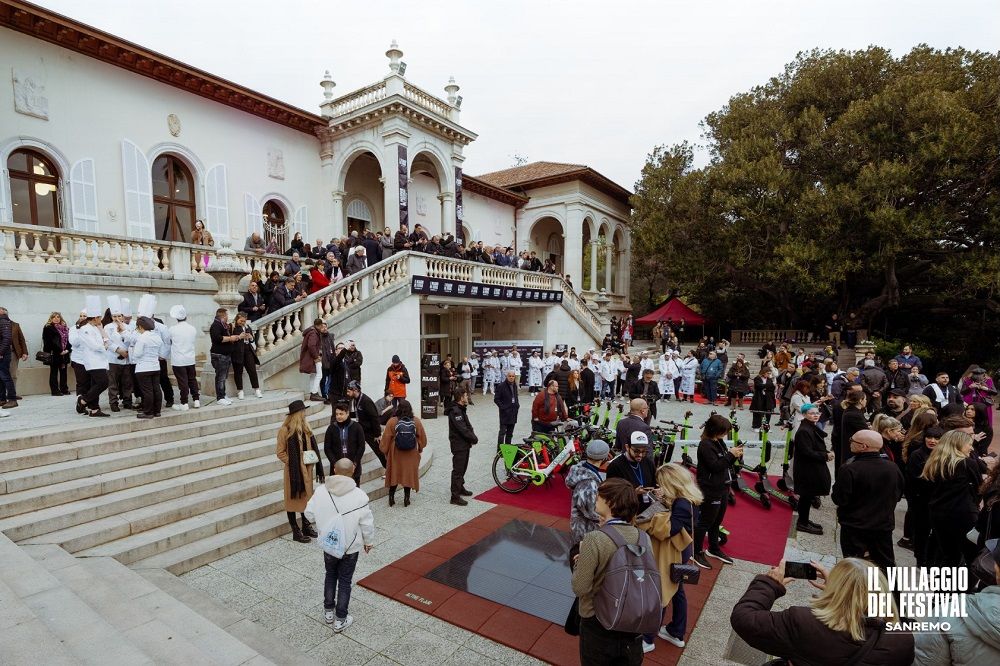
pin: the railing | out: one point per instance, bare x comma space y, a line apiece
506, 277
449, 269
426, 100
357, 100
101, 254
760, 336
579, 304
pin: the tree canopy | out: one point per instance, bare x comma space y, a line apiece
851, 182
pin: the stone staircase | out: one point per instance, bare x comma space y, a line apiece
97, 520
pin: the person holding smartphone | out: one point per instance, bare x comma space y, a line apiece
715, 476
835, 622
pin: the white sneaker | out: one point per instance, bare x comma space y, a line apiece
178, 407
648, 647
185, 407
4, 413
197, 404
340, 625
225, 402
329, 616
662, 633
257, 393
239, 395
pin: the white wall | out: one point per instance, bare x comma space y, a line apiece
490, 221
93, 106
425, 207
379, 338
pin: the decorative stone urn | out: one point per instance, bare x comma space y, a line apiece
860, 350
601, 301
226, 269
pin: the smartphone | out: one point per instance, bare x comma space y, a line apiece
802, 570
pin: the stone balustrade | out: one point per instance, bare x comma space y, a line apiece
355, 100
426, 100
101, 254
760, 336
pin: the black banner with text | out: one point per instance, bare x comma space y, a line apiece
459, 289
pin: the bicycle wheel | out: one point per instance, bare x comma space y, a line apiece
507, 482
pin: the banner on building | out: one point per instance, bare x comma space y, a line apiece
404, 179
459, 218
460, 289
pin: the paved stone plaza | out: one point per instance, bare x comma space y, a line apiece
279, 583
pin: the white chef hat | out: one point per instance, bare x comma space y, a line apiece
115, 305
126, 307
178, 312
147, 306
93, 308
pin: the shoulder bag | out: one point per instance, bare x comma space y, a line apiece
688, 572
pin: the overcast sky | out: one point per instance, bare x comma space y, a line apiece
583, 81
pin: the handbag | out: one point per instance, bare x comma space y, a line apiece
43, 357
685, 573
310, 457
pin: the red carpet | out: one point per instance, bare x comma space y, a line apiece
404, 581
755, 533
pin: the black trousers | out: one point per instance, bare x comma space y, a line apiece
953, 549
96, 385
251, 369
877, 544
804, 507
165, 387
459, 465
600, 647
119, 383
759, 419
152, 396
373, 444
82, 379
713, 510
921, 528
506, 434
187, 382
57, 378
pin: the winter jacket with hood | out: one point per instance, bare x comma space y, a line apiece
582, 482
972, 640
351, 503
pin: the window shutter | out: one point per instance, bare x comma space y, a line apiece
216, 197
301, 223
254, 214
6, 209
83, 195
138, 192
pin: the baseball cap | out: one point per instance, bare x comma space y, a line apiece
639, 440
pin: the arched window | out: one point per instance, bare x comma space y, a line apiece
173, 199
274, 224
34, 188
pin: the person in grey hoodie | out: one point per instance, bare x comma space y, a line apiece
582, 481
972, 640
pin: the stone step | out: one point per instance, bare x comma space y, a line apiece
160, 641
70, 491
70, 453
250, 633
173, 535
204, 551
87, 636
94, 533
23, 637
93, 428
93, 508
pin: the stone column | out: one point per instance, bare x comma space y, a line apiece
339, 220
328, 208
593, 267
447, 200
609, 258
573, 246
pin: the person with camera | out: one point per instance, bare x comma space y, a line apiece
715, 476
833, 629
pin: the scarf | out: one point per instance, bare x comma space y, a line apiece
940, 397
63, 335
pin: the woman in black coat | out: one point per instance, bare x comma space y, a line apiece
344, 439
763, 397
55, 341
852, 422
738, 379
809, 467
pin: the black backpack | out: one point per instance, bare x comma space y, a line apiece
405, 435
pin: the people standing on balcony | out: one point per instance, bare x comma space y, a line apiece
147, 367
418, 233
93, 356
317, 277
296, 246
385, 242
294, 264
202, 236
254, 243
311, 357
273, 281
357, 262
285, 294
244, 357
119, 374
182, 358
373, 248
253, 305
400, 240
550, 269
221, 352
55, 342
318, 250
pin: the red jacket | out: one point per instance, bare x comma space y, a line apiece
319, 280
555, 412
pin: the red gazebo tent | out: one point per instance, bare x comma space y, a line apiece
675, 309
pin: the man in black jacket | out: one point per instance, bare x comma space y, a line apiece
638, 412
284, 294
253, 304
866, 492
942, 393
345, 439
561, 375
364, 412
635, 465
462, 438
506, 400
646, 389
353, 359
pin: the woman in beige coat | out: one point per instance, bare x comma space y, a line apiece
294, 439
402, 466
672, 533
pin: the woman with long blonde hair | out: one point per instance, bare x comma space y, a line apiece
834, 629
954, 478
295, 442
55, 342
672, 535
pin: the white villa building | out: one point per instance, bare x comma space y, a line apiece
110, 152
